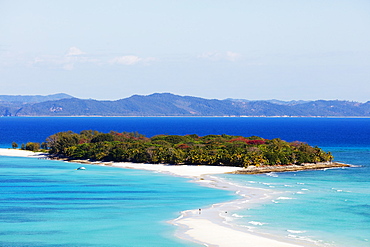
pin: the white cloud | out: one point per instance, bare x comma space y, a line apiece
131, 60
219, 56
232, 56
67, 61
214, 56
73, 57
126, 60
74, 51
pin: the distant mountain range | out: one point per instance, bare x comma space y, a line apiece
166, 104
274, 101
32, 98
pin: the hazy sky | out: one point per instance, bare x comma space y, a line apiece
246, 49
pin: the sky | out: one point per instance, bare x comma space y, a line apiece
215, 49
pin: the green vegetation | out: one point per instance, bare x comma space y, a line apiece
31, 146
222, 150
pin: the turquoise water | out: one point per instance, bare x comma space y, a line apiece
44, 203
49, 203
329, 207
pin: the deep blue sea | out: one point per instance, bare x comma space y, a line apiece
48, 203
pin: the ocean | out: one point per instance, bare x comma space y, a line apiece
328, 207
48, 203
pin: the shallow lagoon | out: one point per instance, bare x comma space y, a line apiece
49, 203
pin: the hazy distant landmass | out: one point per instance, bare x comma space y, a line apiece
166, 104
32, 98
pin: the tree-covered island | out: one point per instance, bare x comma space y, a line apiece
224, 150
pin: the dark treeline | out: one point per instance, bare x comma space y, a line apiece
189, 149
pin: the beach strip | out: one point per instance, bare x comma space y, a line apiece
21, 153
213, 226
206, 232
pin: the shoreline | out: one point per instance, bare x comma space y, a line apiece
215, 226
22, 153
182, 170
211, 226
290, 168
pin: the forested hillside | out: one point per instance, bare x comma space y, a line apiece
167, 104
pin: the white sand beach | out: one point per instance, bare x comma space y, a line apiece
211, 226
179, 170
20, 153
205, 231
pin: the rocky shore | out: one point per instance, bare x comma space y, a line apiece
289, 168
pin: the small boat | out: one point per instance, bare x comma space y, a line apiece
81, 168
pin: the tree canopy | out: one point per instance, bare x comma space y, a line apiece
224, 150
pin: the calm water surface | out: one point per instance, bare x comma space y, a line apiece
50, 203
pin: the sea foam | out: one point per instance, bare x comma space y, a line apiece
295, 231
284, 198
256, 223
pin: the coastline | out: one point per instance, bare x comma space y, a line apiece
22, 153
182, 170
213, 225
290, 168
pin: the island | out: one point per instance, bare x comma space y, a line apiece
254, 154
195, 157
